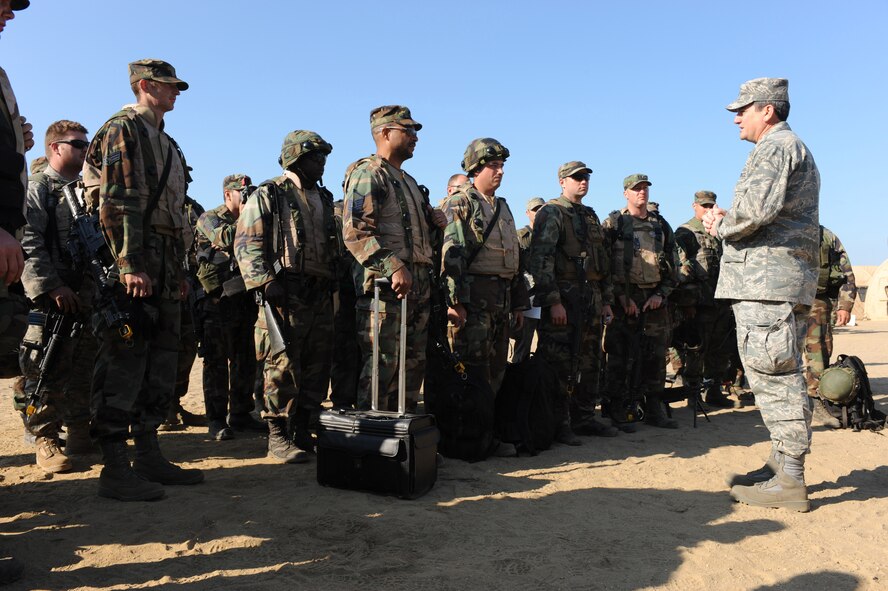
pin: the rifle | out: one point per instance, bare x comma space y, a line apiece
57, 325
88, 249
579, 321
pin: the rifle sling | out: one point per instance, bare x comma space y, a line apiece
490, 226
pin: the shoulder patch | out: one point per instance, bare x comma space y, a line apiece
111, 158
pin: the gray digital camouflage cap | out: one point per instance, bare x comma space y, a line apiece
704, 197
301, 142
393, 114
634, 179
157, 70
19, 4
761, 89
535, 203
573, 167
235, 182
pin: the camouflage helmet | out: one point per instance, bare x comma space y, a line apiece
481, 151
839, 384
301, 142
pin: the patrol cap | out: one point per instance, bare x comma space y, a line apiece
761, 89
300, 142
704, 197
392, 114
19, 4
634, 179
235, 182
535, 203
573, 167
157, 70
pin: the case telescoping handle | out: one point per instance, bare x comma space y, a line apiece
402, 353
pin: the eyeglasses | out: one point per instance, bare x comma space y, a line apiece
407, 130
76, 144
580, 176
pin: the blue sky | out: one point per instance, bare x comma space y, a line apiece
625, 87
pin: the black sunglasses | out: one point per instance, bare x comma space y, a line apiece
78, 144
580, 176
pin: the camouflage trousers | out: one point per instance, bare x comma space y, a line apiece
134, 380
346, 368
187, 353
229, 355
483, 341
13, 324
713, 327
628, 343
575, 347
66, 389
417, 322
770, 337
297, 379
818, 343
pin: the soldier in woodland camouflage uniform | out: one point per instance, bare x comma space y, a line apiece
570, 265
523, 337
710, 322
836, 291
769, 270
136, 175
287, 246
15, 139
481, 268
642, 265
387, 225
227, 316
53, 282
346, 368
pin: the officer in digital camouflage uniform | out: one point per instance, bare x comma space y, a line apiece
523, 337
287, 246
346, 368
769, 271
15, 139
136, 175
388, 226
54, 283
227, 315
481, 270
836, 292
642, 266
570, 265
708, 321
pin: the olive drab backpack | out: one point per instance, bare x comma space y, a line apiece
846, 393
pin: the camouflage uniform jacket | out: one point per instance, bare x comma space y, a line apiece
13, 175
215, 231
48, 264
386, 221
836, 278
468, 217
557, 250
652, 262
770, 233
525, 235
698, 263
115, 165
309, 244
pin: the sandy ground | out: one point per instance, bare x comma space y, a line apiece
647, 510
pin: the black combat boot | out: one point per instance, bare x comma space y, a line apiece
119, 481
300, 430
655, 413
716, 399
151, 464
280, 447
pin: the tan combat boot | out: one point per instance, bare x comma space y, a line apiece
50, 457
780, 492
